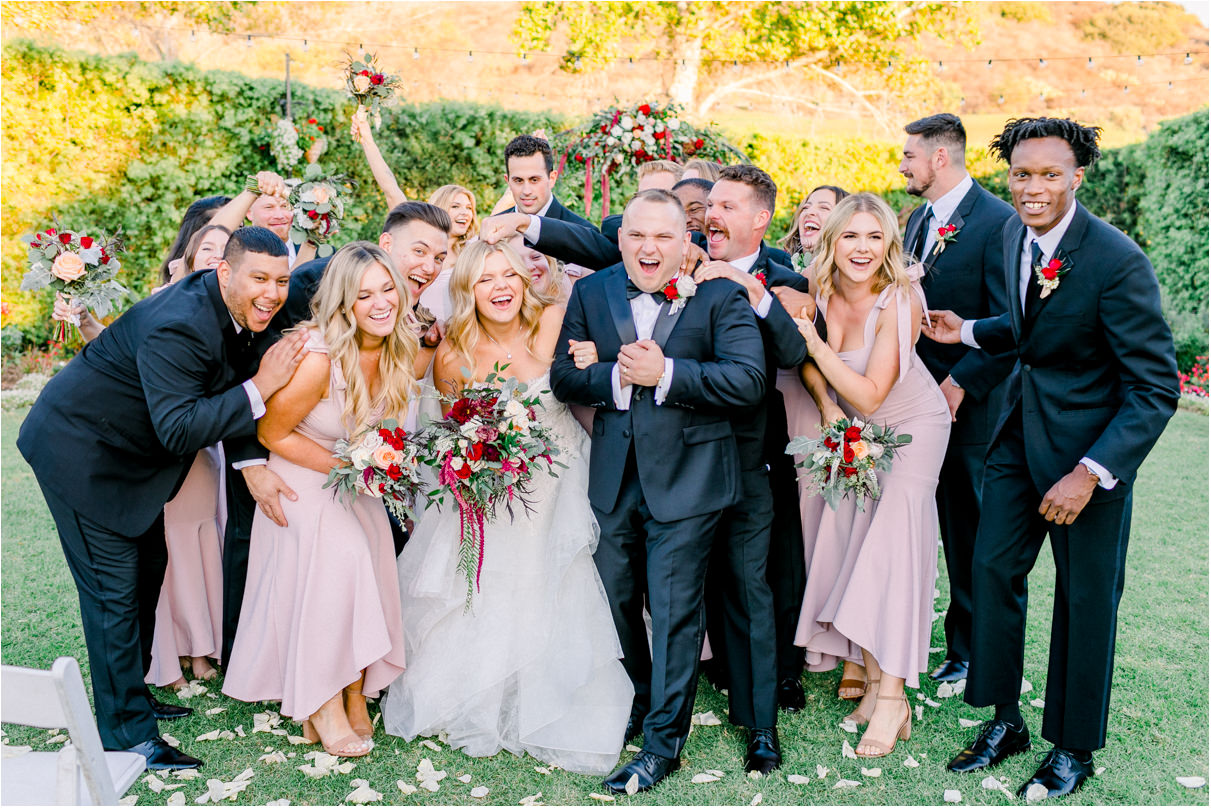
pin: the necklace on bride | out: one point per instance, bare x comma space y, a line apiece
508, 353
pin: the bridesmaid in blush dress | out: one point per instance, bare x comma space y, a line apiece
871, 573
320, 624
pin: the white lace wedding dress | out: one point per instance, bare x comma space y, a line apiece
534, 667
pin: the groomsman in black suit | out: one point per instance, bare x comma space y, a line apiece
663, 461
957, 235
1093, 385
111, 438
530, 170
757, 575
416, 236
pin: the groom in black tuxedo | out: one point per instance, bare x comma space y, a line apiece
111, 438
964, 273
1093, 385
664, 461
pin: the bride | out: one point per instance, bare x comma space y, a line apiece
534, 666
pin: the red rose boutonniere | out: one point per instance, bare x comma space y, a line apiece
761, 278
1048, 275
946, 234
678, 290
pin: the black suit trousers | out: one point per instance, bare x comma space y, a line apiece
666, 561
118, 579
787, 568
1090, 556
241, 508
958, 496
740, 605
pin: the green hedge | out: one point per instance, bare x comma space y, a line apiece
113, 141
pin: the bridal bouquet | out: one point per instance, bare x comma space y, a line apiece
83, 268
318, 200
486, 452
845, 458
383, 463
369, 85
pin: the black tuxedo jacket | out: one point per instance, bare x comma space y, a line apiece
1095, 374
685, 449
587, 246
114, 433
761, 431
968, 278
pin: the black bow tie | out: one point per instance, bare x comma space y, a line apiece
634, 291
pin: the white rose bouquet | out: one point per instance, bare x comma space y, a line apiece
383, 463
80, 266
318, 200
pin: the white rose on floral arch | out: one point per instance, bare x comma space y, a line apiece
616, 130
627, 122
674, 123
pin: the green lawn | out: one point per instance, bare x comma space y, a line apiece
1158, 723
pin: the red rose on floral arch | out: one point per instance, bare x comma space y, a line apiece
646, 109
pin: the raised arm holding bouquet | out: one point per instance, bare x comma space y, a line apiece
80, 268
369, 86
318, 206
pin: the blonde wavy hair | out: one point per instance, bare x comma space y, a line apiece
444, 198
892, 271
332, 314
463, 328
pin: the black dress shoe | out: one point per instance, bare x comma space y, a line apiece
162, 756
790, 695
951, 670
996, 741
764, 754
648, 767
168, 712
1061, 773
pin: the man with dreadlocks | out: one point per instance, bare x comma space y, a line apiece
1093, 381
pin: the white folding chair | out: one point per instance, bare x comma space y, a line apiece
81, 773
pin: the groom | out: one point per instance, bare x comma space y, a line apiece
672, 366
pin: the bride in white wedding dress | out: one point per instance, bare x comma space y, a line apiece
534, 666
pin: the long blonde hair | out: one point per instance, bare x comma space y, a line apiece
891, 271
463, 328
332, 314
444, 197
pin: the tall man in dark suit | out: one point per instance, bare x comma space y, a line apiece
530, 170
1093, 386
416, 236
111, 438
964, 274
663, 462
757, 572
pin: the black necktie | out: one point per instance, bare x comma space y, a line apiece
1032, 286
918, 242
634, 291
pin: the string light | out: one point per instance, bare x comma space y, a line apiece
470, 57
193, 36
941, 66
1188, 60
305, 47
523, 58
630, 63
989, 65
1139, 60
1001, 99
576, 65
1089, 64
1126, 89
416, 53
1042, 62
248, 42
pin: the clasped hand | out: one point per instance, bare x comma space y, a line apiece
641, 363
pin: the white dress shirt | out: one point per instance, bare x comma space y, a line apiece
258, 408
644, 311
942, 209
1048, 243
745, 265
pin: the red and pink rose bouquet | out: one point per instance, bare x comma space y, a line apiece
385, 463
845, 459
81, 267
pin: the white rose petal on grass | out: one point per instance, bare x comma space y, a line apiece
715, 772
632, 787
952, 795
297, 740
463, 778
406, 788
1039, 703
531, 799
154, 783
1098, 770
479, 792
967, 723
1026, 687
278, 802
757, 799
843, 783
600, 797
945, 690
57, 739
849, 726
217, 710
428, 744
186, 774
821, 771
273, 757
632, 748
755, 775
129, 799
847, 751
911, 762
798, 779
545, 770
700, 779
920, 712
239, 730
176, 798
931, 703
1192, 782
430, 786
707, 719
362, 793
344, 768
993, 784
872, 772
1036, 792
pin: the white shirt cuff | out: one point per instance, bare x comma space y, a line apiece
243, 464
762, 308
967, 334
622, 395
666, 381
533, 230
1104, 478
254, 398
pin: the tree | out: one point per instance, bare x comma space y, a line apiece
742, 45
